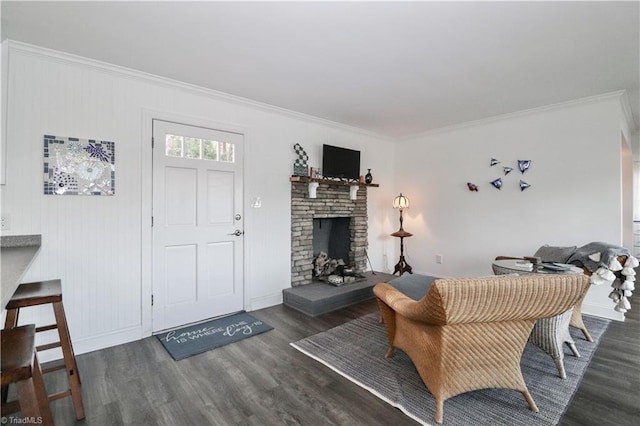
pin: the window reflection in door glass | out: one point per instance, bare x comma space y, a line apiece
196, 148
192, 148
173, 146
226, 152
210, 150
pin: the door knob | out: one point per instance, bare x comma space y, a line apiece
237, 233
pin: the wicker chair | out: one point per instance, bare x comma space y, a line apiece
469, 334
549, 334
576, 314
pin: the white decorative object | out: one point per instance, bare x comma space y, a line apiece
353, 192
313, 189
631, 262
628, 270
623, 305
615, 265
300, 165
623, 285
335, 279
627, 285
602, 276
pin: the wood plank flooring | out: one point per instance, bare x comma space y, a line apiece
264, 381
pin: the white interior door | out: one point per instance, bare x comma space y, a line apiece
197, 224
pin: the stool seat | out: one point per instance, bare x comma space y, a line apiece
19, 365
41, 293
17, 353
37, 293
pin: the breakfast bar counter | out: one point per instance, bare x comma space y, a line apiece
16, 253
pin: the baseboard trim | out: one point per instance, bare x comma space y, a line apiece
265, 301
602, 311
94, 343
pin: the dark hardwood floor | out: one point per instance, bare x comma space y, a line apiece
610, 390
264, 381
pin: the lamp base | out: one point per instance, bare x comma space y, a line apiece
402, 266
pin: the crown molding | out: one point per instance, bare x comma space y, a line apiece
619, 94
69, 58
27, 49
626, 110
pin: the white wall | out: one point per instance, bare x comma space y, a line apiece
636, 185
575, 195
99, 246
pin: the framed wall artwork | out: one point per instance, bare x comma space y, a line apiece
74, 166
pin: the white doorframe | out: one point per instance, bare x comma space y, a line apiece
146, 204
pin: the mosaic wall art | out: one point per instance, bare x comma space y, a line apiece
75, 166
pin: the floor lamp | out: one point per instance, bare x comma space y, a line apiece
401, 202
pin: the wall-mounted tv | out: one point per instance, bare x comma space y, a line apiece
340, 163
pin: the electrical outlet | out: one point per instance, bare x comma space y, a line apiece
5, 222
439, 259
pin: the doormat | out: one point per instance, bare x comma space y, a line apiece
196, 339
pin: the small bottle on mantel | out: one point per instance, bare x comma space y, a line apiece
361, 180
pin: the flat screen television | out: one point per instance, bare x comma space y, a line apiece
340, 163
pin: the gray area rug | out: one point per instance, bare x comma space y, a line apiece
356, 350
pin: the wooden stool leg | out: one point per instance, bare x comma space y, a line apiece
11, 321
69, 359
27, 398
66, 328
41, 393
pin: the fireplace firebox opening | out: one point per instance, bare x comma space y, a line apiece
333, 237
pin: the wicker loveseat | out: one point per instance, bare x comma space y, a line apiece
469, 333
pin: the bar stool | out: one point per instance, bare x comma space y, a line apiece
20, 366
44, 292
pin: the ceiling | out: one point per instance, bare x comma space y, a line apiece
393, 68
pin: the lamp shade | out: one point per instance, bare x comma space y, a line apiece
401, 202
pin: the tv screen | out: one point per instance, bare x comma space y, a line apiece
340, 163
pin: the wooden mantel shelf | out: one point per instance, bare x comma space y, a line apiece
307, 179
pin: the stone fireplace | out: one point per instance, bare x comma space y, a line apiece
332, 202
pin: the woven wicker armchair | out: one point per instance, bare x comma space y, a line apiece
561, 255
576, 315
469, 334
549, 334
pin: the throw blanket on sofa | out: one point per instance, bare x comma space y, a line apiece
602, 260
586, 255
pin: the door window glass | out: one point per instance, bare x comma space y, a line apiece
199, 149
